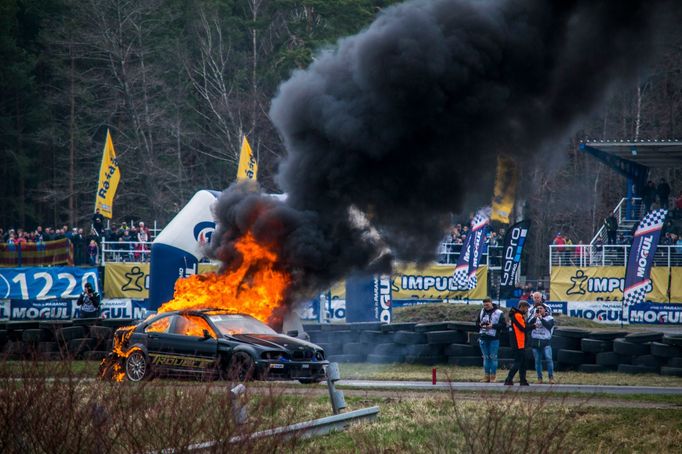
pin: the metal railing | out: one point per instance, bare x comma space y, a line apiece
637, 212
584, 255
448, 253
125, 251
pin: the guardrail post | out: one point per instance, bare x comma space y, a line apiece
239, 412
336, 396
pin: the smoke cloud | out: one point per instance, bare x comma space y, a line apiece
401, 124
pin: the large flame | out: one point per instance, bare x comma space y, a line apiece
255, 287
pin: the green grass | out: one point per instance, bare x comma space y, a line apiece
409, 372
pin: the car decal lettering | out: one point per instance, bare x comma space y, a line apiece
180, 361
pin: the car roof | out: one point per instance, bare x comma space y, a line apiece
208, 311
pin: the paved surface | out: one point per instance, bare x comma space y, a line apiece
499, 387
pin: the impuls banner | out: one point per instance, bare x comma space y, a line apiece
641, 259
514, 241
131, 280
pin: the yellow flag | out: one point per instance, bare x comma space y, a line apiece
109, 176
505, 190
248, 166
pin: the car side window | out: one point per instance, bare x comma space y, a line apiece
159, 326
191, 325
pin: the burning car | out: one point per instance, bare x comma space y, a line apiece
211, 343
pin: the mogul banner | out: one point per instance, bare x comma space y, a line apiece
514, 241
606, 283
131, 280
462, 266
434, 283
109, 176
641, 259
479, 231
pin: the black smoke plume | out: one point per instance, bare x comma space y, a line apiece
402, 123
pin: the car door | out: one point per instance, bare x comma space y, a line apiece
159, 342
195, 353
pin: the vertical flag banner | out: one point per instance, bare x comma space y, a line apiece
248, 166
641, 259
109, 176
462, 267
505, 190
477, 245
514, 241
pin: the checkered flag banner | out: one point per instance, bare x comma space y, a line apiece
461, 278
479, 232
644, 243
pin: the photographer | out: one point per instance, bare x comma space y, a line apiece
518, 341
89, 302
490, 323
542, 325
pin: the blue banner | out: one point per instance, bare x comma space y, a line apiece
655, 314
462, 268
121, 309
368, 299
55, 309
46, 283
641, 259
477, 246
514, 241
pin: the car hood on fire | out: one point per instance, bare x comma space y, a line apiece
274, 341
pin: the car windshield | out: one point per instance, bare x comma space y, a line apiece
240, 324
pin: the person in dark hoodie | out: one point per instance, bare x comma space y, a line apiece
542, 327
518, 341
490, 323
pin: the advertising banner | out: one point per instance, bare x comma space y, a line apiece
109, 176
46, 283
477, 246
131, 280
248, 166
514, 240
644, 243
598, 311
56, 309
123, 309
4, 309
433, 283
368, 299
606, 283
655, 314
46, 253
462, 267
505, 189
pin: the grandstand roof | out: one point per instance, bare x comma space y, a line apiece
649, 153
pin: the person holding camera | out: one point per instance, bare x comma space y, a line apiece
490, 323
518, 341
89, 302
542, 326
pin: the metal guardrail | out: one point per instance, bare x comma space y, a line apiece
637, 212
125, 251
585, 255
448, 253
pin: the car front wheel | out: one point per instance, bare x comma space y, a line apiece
241, 367
136, 366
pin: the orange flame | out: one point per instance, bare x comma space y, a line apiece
255, 287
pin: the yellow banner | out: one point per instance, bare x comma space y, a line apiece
248, 166
434, 282
605, 283
505, 190
131, 280
109, 176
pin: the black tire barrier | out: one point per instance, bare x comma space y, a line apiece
640, 338
505, 352
94, 355
365, 326
469, 327
664, 350
355, 348
101, 332
385, 359
374, 337
607, 335
393, 327
423, 350
595, 345
445, 337
633, 369
347, 358
35, 336
467, 361
461, 350
648, 360
48, 347
3, 337
675, 362
70, 333
330, 349
472, 338
14, 350
435, 326
671, 371
50, 356
312, 327
319, 337
426, 360
592, 368
326, 327
623, 347
79, 346
577, 333
565, 343
409, 338
574, 357
387, 349
612, 359
344, 337
673, 339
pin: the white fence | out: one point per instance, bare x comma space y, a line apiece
448, 253
125, 251
584, 255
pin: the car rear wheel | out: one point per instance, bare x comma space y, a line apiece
241, 367
136, 366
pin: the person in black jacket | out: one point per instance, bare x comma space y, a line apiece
517, 337
648, 196
89, 302
541, 325
663, 191
611, 224
490, 323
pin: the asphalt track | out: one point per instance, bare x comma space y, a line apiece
499, 387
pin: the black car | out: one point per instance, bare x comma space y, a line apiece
211, 343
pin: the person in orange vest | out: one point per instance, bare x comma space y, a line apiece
517, 339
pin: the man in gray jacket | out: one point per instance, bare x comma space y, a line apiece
542, 327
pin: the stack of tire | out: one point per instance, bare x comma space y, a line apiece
80, 339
